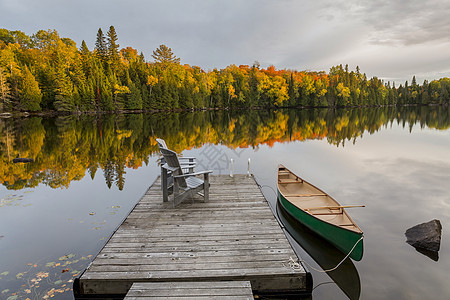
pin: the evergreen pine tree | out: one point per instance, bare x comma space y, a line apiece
84, 50
253, 94
291, 91
134, 98
100, 46
30, 93
85, 59
406, 93
146, 101
106, 98
414, 82
87, 96
5, 90
113, 48
156, 96
165, 55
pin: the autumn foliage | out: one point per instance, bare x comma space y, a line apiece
47, 72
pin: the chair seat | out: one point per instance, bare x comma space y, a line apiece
193, 182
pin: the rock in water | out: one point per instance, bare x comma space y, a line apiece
425, 236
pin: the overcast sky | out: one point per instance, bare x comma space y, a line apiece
392, 40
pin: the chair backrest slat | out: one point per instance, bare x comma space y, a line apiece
172, 161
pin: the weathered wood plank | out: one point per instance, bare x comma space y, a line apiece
136, 259
191, 290
190, 266
144, 233
199, 228
194, 254
195, 214
195, 249
190, 298
189, 239
190, 285
195, 223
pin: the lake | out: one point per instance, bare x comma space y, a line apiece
57, 212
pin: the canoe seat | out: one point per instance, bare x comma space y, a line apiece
289, 181
305, 195
326, 213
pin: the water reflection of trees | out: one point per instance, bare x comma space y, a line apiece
65, 147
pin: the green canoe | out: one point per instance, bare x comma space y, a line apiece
319, 212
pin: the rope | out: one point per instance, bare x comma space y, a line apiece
268, 186
275, 194
272, 175
322, 283
295, 265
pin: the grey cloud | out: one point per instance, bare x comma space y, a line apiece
401, 22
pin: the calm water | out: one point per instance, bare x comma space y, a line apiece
57, 212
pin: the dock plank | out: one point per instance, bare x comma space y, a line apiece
227, 290
232, 237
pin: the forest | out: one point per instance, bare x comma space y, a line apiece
45, 72
68, 147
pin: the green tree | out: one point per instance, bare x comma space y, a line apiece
164, 54
30, 93
292, 91
113, 48
86, 59
5, 90
100, 46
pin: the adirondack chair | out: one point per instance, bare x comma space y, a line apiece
187, 164
184, 184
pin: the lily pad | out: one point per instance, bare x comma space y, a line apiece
66, 257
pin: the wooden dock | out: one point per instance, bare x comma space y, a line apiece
232, 237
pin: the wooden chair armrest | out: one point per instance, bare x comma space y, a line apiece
187, 164
190, 158
193, 174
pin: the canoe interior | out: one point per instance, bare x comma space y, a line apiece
313, 200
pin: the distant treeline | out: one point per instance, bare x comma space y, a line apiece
45, 72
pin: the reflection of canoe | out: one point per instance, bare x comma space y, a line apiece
324, 254
319, 212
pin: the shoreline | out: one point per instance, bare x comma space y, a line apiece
54, 113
